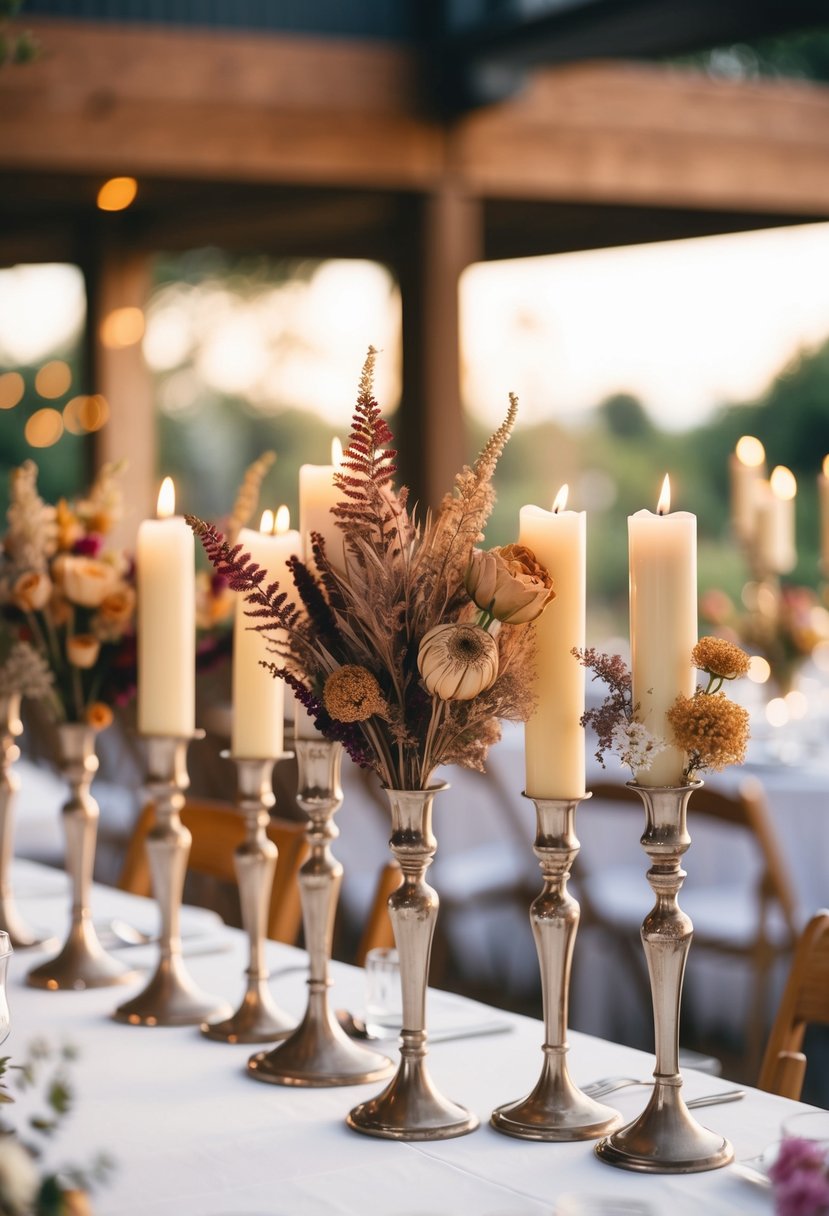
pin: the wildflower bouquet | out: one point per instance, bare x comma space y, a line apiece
67, 600
710, 728
783, 624
411, 649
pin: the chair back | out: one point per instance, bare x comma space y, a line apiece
745, 809
377, 931
805, 1003
217, 831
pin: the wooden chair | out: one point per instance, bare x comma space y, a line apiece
760, 930
377, 931
217, 830
805, 1002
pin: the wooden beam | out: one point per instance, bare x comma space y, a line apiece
651, 136
140, 99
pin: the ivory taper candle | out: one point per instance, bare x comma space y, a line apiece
747, 469
165, 573
823, 497
553, 736
663, 624
317, 495
775, 542
259, 696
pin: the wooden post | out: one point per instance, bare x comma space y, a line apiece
117, 278
441, 235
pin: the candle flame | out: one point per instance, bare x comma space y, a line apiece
783, 482
750, 451
166, 499
336, 452
560, 500
283, 521
266, 522
826, 466
664, 504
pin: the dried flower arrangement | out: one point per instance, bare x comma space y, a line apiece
67, 601
26, 1189
711, 729
411, 653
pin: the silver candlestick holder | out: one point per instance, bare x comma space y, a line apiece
319, 1053
20, 935
82, 961
171, 998
411, 1107
258, 1019
665, 1138
555, 1109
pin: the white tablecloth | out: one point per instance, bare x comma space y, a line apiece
193, 1135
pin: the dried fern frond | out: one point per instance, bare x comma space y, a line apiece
247, 496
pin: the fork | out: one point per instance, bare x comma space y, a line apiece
608, 1085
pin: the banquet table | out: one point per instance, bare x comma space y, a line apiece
193, 1135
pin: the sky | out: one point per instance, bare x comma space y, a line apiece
685, 325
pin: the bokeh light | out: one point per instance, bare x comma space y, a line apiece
12, 388
44, 428
759, 670
122, 327
85, 413
117, 194
53, 379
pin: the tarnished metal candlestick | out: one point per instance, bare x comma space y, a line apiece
258, 1019
170, 998
319, 1052
666, 1139
20, 935
556, 1109
82, 963
410, 1107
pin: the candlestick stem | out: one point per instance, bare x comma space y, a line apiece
319, 1053
555, 1109
666, 1139
82, 962
171, 998
258, 1019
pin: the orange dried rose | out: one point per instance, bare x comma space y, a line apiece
509, 583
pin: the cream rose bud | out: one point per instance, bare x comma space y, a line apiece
31, 591
87, 581
509, 583
82, 650
457, 661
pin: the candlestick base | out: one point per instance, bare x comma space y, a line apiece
556, 1110
319, 1054
666, 1139
257, 1020
170, 999
82, 963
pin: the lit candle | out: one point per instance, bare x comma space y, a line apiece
747, 468
553, 736
663, 624
775, 541
317, 495
823, 497
258, 696
166, 596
